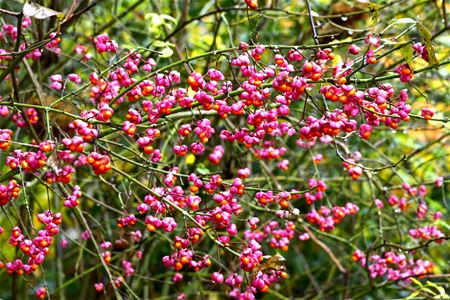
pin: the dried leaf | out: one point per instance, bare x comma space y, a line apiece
273, 263
374, 10
40, 12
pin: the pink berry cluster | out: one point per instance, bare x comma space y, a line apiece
393, 266
30, 113
73, 199
37, 248
5, 138
326, 219
426, 233
104, 44
28, 161
9, 192
277, 236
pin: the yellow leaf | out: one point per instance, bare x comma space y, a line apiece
426, 36
190, 159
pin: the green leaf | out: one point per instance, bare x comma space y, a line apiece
408, 53
398, 21
202, 170
413, 295
427, 290
426, 36
417, 282
160, 44
169, 18
442, 293
166, 52
157, 20
440, 289
168, 26
128, 46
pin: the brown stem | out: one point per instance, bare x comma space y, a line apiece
325, 248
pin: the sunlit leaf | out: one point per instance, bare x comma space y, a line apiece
399, 21
417, 282
160, 44
169, 18
413, 295
440, 289
426, 36
166, 52
405, 21
408, 54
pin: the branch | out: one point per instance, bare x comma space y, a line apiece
10, 13
311, 22
325, 248
406, 249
